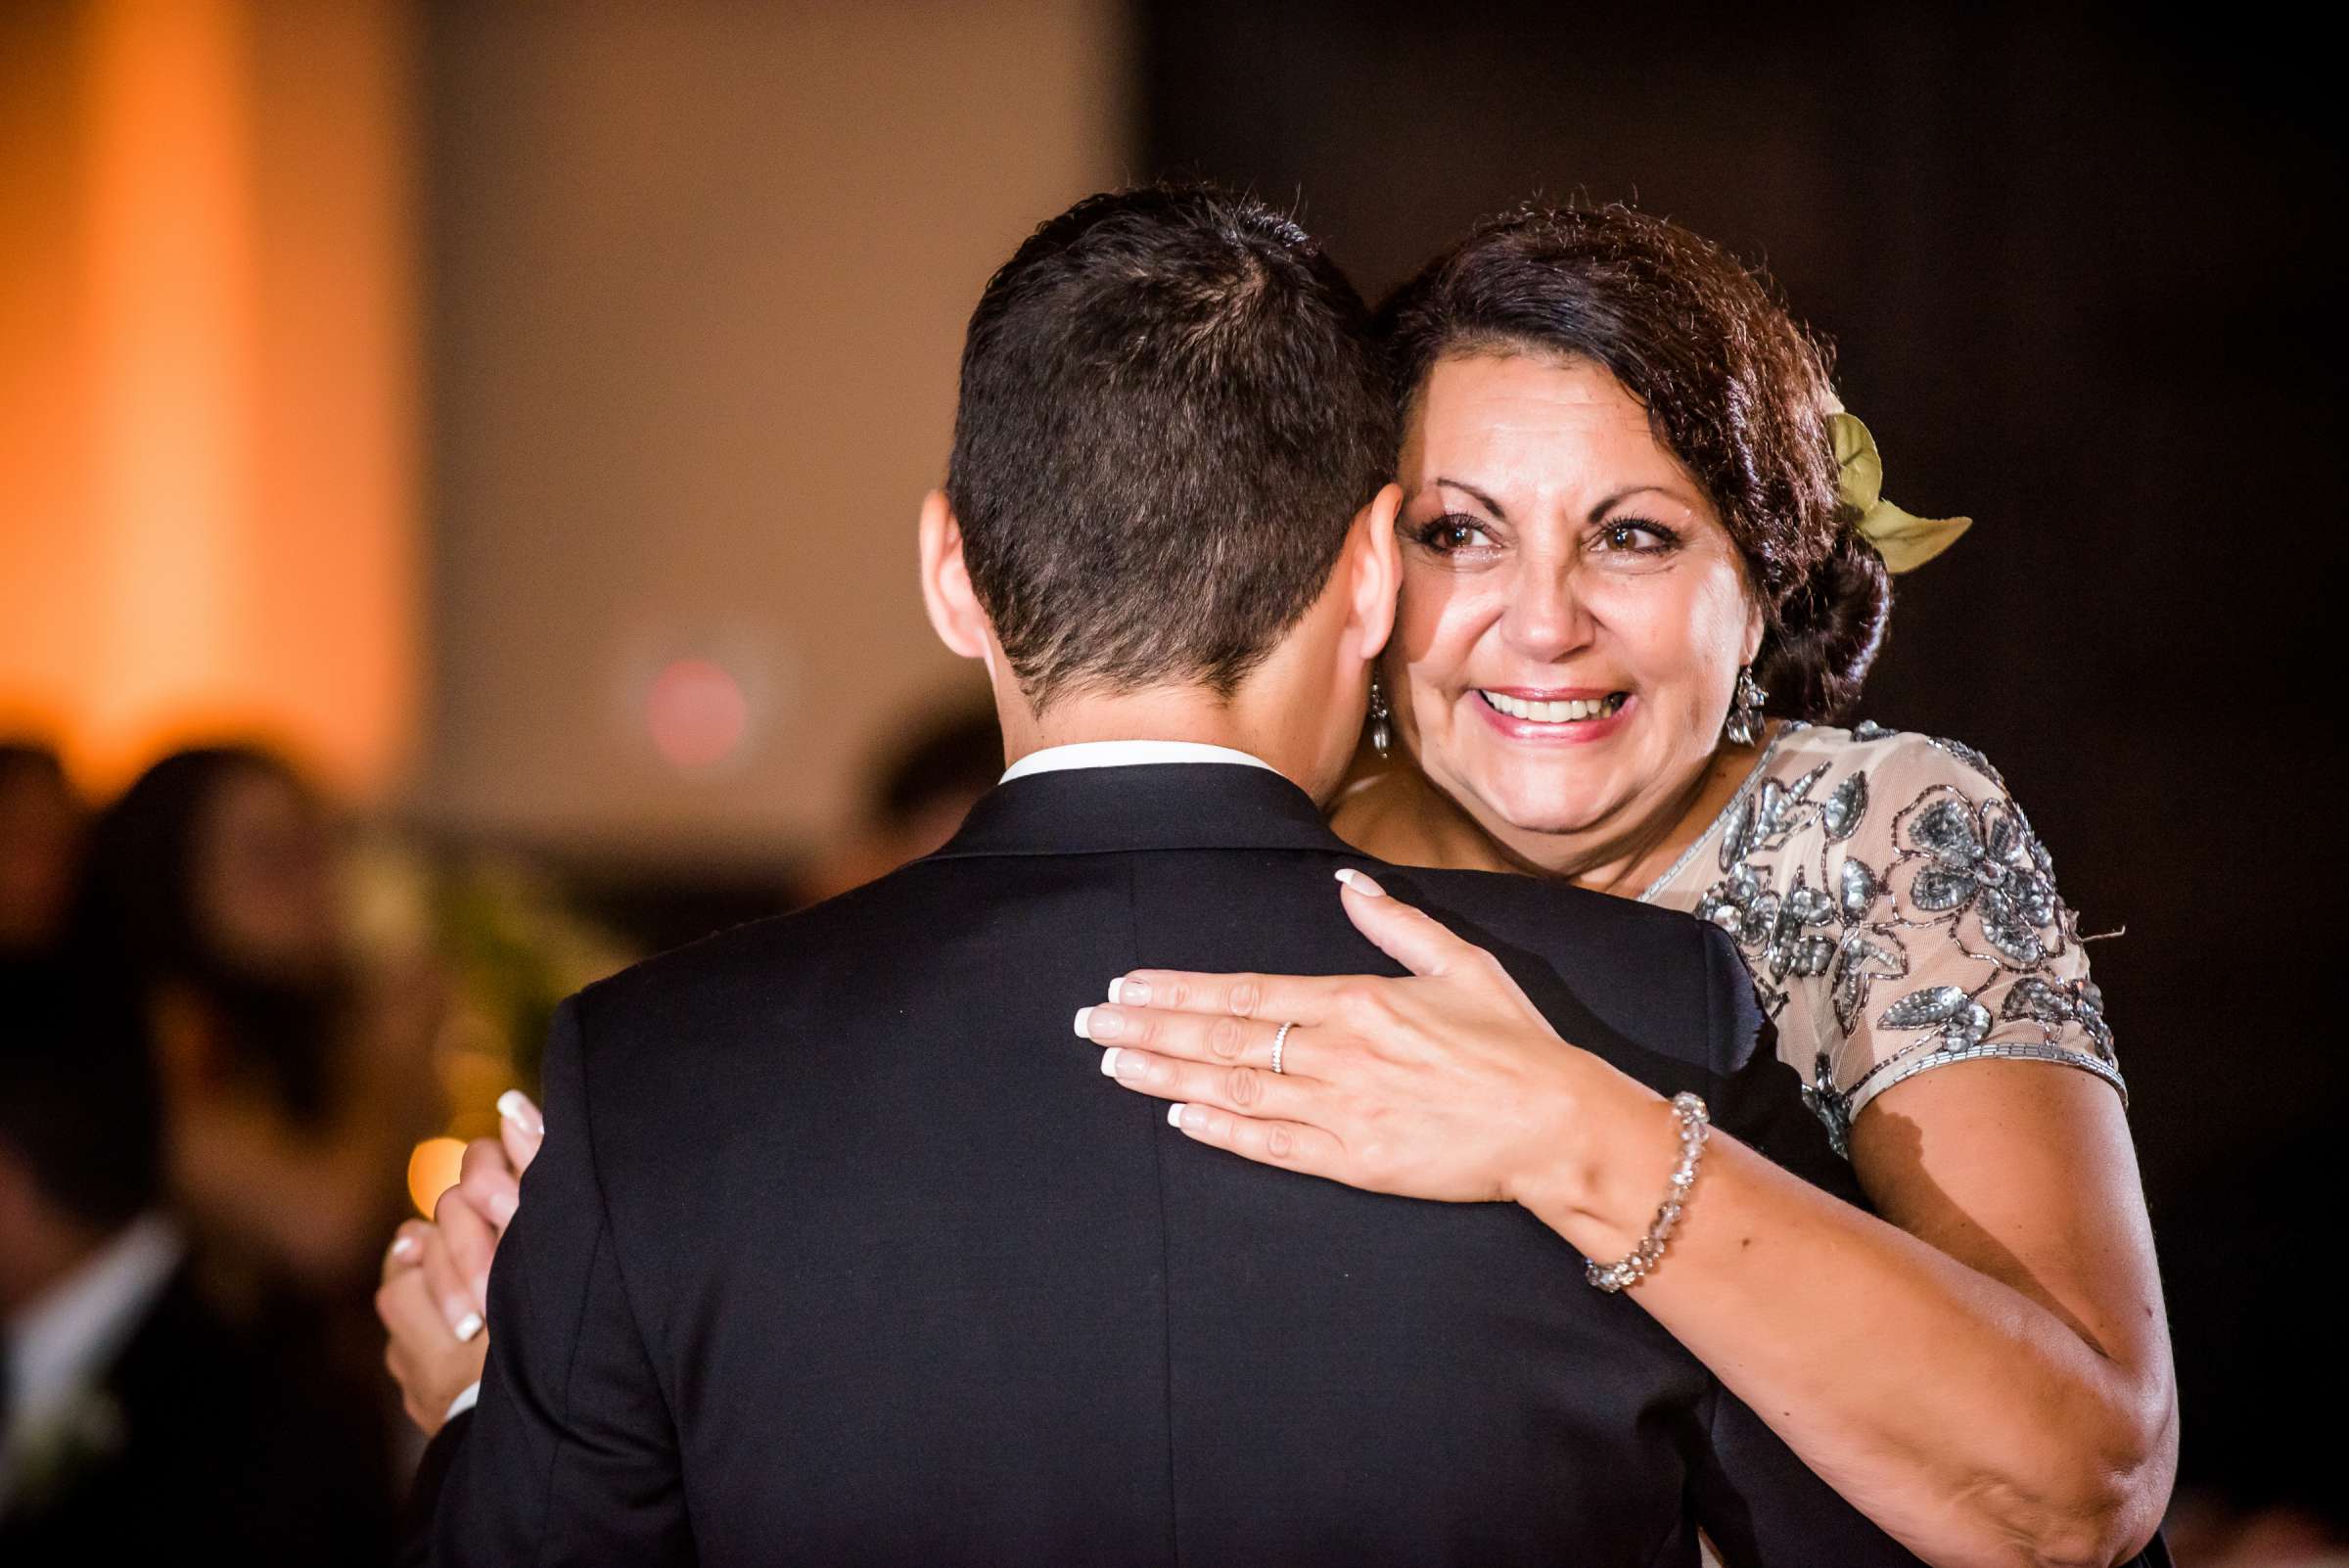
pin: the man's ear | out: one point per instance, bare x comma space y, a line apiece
947, 592
1373, 564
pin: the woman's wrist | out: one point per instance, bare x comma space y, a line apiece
1607, 1167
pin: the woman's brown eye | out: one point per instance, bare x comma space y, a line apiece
1446, 536
1639, 538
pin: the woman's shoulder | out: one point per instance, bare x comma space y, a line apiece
1828, 795
1820, 787
1908, 755
1887, 880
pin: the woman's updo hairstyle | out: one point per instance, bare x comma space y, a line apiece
1733, 387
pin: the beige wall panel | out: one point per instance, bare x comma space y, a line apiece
701, 272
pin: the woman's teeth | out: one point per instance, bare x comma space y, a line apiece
1565, 713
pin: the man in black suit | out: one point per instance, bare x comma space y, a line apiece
839, 1250
137, 1424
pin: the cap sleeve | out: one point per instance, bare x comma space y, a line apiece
1957, 946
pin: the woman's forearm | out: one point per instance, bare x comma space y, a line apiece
1969, 1420
1988, 1378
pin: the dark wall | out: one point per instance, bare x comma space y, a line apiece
2084, 286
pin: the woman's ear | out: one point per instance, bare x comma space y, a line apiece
947, 592
1756, 621
1373, 563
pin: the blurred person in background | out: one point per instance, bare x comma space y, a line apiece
42, 818
136, 1422
925, 785
294, 1083
291, 1081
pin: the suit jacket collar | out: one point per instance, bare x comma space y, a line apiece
1160, 805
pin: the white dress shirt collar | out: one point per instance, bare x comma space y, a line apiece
1128, 754
63, 1340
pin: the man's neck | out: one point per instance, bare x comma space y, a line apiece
1196, 717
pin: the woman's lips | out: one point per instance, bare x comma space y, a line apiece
1533, 722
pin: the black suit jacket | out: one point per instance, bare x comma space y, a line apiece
841, 1250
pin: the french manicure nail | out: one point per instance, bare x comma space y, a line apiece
1109, 1062
1083, 1014
1129, 992
467, 1325
1173, 1116
1362, 884
403, 1246
515, 1107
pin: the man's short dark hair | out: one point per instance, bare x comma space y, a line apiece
1170, 411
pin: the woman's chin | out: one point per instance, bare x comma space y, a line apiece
1528, 814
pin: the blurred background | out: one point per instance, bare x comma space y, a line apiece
486, 439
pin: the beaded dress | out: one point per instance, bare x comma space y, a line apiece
1897, 913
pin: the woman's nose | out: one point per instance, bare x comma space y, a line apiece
1546, 620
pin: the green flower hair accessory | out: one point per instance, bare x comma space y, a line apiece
1905, 542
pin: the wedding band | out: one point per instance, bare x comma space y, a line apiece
1280, 1039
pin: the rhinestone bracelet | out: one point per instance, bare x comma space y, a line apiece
1693, 1119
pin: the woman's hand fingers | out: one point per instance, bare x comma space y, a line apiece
488, 1179
471, 1241
429, 1362
452, 1291
1291, 1145
1217, 1039
406, 1250
1272, 999
1410, 937
1249, 1090
520, 1128
1443, 1083
405, 1308
408, 1313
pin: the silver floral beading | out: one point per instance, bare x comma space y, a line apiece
1886, 941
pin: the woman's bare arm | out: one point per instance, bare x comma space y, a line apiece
1984, 1371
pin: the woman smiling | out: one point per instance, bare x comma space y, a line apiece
1644, 564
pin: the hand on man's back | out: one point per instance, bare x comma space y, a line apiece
433, 1300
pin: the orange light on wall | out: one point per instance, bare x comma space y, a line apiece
433, 1169
210, 319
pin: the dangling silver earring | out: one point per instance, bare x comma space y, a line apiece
1381, 736
1744, 723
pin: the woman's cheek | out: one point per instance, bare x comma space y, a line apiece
1433, 616
1676, 624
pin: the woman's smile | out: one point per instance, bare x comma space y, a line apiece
1576, 716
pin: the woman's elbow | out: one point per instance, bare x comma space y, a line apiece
2111, 1514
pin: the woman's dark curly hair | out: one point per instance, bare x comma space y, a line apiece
1734, 387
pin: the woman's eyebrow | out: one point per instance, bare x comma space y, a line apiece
1487, 501
1622, 495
